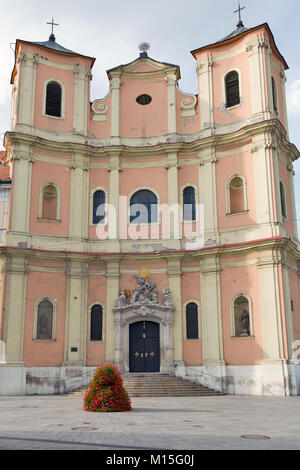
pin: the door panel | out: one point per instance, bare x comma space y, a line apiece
144, 347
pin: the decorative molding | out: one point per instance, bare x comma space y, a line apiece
188, 106
100, 110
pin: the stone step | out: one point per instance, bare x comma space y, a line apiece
159, 385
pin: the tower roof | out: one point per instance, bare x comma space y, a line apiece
50, 44
240, 32
240, 29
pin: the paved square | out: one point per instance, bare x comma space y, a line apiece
48, 422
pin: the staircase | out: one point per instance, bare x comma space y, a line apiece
160, 385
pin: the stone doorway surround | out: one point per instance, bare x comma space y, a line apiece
144, 306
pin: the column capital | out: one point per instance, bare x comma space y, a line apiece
171, 79
115, 82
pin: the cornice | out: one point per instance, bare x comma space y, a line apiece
183, 143
245, 248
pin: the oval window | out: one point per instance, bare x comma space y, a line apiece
144, 99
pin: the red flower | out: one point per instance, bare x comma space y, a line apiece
106, 391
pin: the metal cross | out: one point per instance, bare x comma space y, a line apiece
53, 24
239, 12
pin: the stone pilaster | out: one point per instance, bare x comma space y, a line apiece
79, 198
174, 275
115, 83
256, 58
204, 70
76, 314
270, 307
27, 89
112, 293
274, 365
212, 340
82, 76
173, 197
264, 151
23, 159
16, 295
114, 194
171, 80
285, 116
208, 194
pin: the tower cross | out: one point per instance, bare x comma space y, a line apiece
240, 23
52, 25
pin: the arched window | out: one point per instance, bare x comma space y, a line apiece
282, 200
96, 323
189, 203
98, 207
192, 321
53, 99
241, 316
143, 207
49, 208
274, 95
232, 90
236, 195
44, 320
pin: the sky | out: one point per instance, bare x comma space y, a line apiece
111, 32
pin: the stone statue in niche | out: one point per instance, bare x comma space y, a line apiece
167, 297
154, 296
245, 324
44, 329
122, 299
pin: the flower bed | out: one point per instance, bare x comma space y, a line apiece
106, 391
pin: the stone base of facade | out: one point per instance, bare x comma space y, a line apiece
261, 380
43, 380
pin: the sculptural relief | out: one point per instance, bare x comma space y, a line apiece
144, 293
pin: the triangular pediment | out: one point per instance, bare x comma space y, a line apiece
145, 65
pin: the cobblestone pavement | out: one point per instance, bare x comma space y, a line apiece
48, 422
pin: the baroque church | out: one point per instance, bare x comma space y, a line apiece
151, 229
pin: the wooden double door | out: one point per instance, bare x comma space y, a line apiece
144, 347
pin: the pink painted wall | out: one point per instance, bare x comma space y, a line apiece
44, 172
190, 291
66, 78
45, 353
99, 178
239, 61
143, 120
95, 352
241, 280
226, 167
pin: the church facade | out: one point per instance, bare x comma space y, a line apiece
151, 228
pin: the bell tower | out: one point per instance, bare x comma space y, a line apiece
51, 87
241, 78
